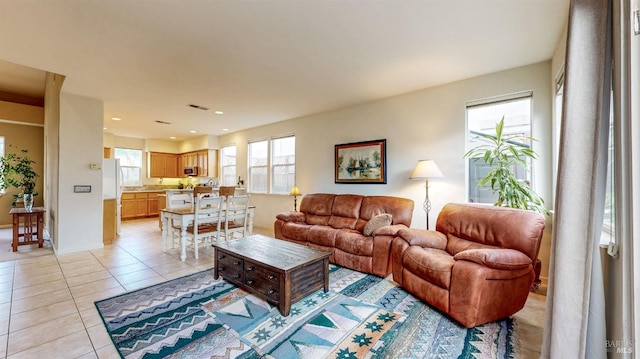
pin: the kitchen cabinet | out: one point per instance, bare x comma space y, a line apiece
142, 204
205, 160
109, 221
163, 165
128, 206
189, 159
153, 203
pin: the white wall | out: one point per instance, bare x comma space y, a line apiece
429, 123
80, 126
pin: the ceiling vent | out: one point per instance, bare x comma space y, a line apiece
198, 107
163, 122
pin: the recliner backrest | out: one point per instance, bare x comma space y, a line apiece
480, 226
317, 208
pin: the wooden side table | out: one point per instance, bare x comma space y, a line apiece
32, 222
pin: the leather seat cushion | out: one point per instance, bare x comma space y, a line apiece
297, 231
322, 235
433, 265
352, 241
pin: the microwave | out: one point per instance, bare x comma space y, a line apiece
191, 171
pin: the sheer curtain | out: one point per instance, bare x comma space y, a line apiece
575, 318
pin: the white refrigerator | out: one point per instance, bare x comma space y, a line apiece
111, 185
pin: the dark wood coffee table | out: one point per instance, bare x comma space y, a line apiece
278, 271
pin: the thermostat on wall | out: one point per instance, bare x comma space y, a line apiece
82, 189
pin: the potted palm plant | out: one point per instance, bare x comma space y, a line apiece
16, 170
503, 153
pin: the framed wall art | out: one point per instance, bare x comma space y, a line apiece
361, 162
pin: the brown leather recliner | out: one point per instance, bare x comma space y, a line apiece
478, 266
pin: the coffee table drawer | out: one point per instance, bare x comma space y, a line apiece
231, 261
231, 274
265, 287
258, 272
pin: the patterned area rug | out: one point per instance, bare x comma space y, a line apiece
362, 316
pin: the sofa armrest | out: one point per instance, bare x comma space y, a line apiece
498, 258
297, 217
391, 230
424, 238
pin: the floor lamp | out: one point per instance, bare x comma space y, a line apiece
424, 170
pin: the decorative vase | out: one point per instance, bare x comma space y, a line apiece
28, 201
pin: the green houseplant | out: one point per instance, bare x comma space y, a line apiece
503, 153
16, 170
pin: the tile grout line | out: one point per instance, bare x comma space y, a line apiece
84, 326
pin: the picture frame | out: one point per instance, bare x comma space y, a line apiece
361, 162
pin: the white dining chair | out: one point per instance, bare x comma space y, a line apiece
206, 221
235, 217
177, 200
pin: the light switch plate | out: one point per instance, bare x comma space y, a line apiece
82, 189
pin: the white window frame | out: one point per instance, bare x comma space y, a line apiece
286, 163
125, 166
256, 163
521, 173
228, 161
266, 163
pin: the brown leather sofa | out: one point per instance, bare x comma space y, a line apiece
478, 266
338, 222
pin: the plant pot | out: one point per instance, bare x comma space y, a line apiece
28, 201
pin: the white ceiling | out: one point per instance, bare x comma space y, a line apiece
262, 61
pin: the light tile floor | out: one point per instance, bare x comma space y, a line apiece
46, 301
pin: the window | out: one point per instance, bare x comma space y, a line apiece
130, 165
482, 117
609, 223
258, 166
228, 166
283, 164
272, 165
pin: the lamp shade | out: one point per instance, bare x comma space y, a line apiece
426, 169
295, 191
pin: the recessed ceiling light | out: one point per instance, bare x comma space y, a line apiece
104, 128
193, 131
173, 137
219, 113
198, 107
116, 118
225, 129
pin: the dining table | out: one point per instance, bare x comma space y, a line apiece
185, 217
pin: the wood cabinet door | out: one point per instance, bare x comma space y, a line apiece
153, 204
171, 166
213, 163
202, 158
156, 164
128, 208
153, 209
141, 207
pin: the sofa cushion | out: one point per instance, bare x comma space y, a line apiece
430, 264
504, 259
297, 231
456, 245
352, 241
322, 235
317, 207
401, 209
494, 226
376, 222
344, 213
